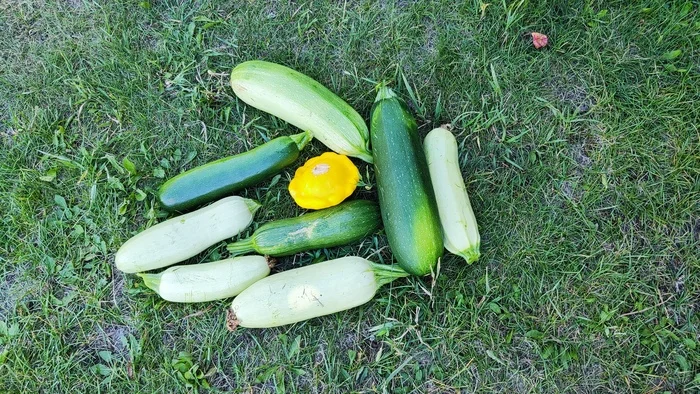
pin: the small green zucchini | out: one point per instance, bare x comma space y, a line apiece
185, 236
406, 198
303, 102
339, 225
459, 228
208, 281
222, 177
304, 293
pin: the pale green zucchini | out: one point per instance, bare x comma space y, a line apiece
312, 291
208, 281
459, 228
185, 236
303, 102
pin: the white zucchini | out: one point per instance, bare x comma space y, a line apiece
308, 292
460, 230
209, 281
303, 102
184, 236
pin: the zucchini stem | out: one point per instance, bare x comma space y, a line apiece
152, 281
385, 273
232, 321
471, 255
365, 157
384, 92
302, 139
240, 247
252, 205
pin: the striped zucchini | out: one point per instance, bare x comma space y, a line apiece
185, 236
222, 177
460, 231
307, 292
208, 281
406, 198
303, 102
335, 226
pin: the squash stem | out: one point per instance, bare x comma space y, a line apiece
232, 321
302, 139
471, 255
240, 247
152, 281
366, 157
384, 92
270, 261
252, 205
384, 273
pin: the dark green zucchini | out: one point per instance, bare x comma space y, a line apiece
406, 198
222, 177
335, 226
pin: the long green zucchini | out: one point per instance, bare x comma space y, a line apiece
208, 281
460, 231
185, 236
303, 102
222, 177
406, 197
335, 226
307, 292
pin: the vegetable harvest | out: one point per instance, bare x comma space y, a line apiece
423, 206
406, 198
182, 237
308, 292
303, 102
460, 231
339, 225
224, 176
208, 281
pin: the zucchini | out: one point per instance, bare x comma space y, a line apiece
307, 292
303, 102
185, 236
339, 225
460, 231
406, 197
209, 281
222, 177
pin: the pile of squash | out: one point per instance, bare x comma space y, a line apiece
423, 207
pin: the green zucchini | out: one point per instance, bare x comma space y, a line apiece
303, 102
335, 226
222, 177
406, 197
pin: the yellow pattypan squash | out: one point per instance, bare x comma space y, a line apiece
324, 181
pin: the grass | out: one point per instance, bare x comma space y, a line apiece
582, 161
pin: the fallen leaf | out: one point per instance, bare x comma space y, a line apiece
539, 40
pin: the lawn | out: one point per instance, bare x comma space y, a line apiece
581, 159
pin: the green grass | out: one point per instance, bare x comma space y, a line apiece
582, 161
